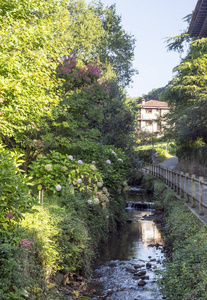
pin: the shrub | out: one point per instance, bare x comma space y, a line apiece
14, 197
53, 171
112, 162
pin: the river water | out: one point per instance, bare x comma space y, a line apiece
116, 276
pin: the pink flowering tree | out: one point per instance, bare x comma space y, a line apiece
84, 93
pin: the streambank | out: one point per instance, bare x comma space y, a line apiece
185, 246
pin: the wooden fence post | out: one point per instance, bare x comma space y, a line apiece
178, 183
187, 187
182, 185
171, 182
166, 176
175, 178
201, 211
193, 185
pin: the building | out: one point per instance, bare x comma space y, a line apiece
150, 116
198, 24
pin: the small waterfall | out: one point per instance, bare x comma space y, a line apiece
139, 205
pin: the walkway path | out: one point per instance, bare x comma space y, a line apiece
170, 163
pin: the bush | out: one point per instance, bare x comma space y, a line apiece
53, 171
14, 197
185, 240
111, 162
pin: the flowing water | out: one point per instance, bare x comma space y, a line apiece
137, 247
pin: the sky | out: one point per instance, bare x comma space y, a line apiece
150, 22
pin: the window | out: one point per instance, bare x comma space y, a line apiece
149, 123
148, 110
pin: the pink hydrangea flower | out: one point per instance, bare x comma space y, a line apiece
70, 157
80, 162
119, 159
25, 243
108, 161
90, 202
9, 216
58, 187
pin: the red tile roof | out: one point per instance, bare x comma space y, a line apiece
155, 103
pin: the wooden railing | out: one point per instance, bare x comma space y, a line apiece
190, 189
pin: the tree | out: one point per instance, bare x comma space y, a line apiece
96, 31
84, 93
30, 46
118, 124
187, 94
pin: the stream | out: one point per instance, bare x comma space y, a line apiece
127, 267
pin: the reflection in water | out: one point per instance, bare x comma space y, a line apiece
112, 278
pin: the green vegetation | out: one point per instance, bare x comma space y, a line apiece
164, 150
186, 94
67, 134
185, 239
82, 204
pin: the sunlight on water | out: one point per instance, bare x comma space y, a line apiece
116, 275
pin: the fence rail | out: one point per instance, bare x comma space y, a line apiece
191, 189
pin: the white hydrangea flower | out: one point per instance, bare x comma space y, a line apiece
58, 187
93, 168
96, 201
70, 157
99, 184
113, 152
119, 159
90, 202
80, 162
79, 181
48, 167
64, 169
108, 161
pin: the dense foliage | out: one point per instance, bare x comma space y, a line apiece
186, 94
184, 276
66, 127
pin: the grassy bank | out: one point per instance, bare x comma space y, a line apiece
61, 238
185, 240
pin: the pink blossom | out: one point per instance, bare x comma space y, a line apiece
80, 162
70, 157
9, 216
25, 243
108, 161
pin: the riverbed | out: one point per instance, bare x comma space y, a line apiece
128, 265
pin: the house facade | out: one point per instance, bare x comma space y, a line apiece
150, 116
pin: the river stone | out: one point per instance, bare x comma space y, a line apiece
142, 282
129, 220
142, 273
138, 266
153, 259
144, 277
130, 270
148, 265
